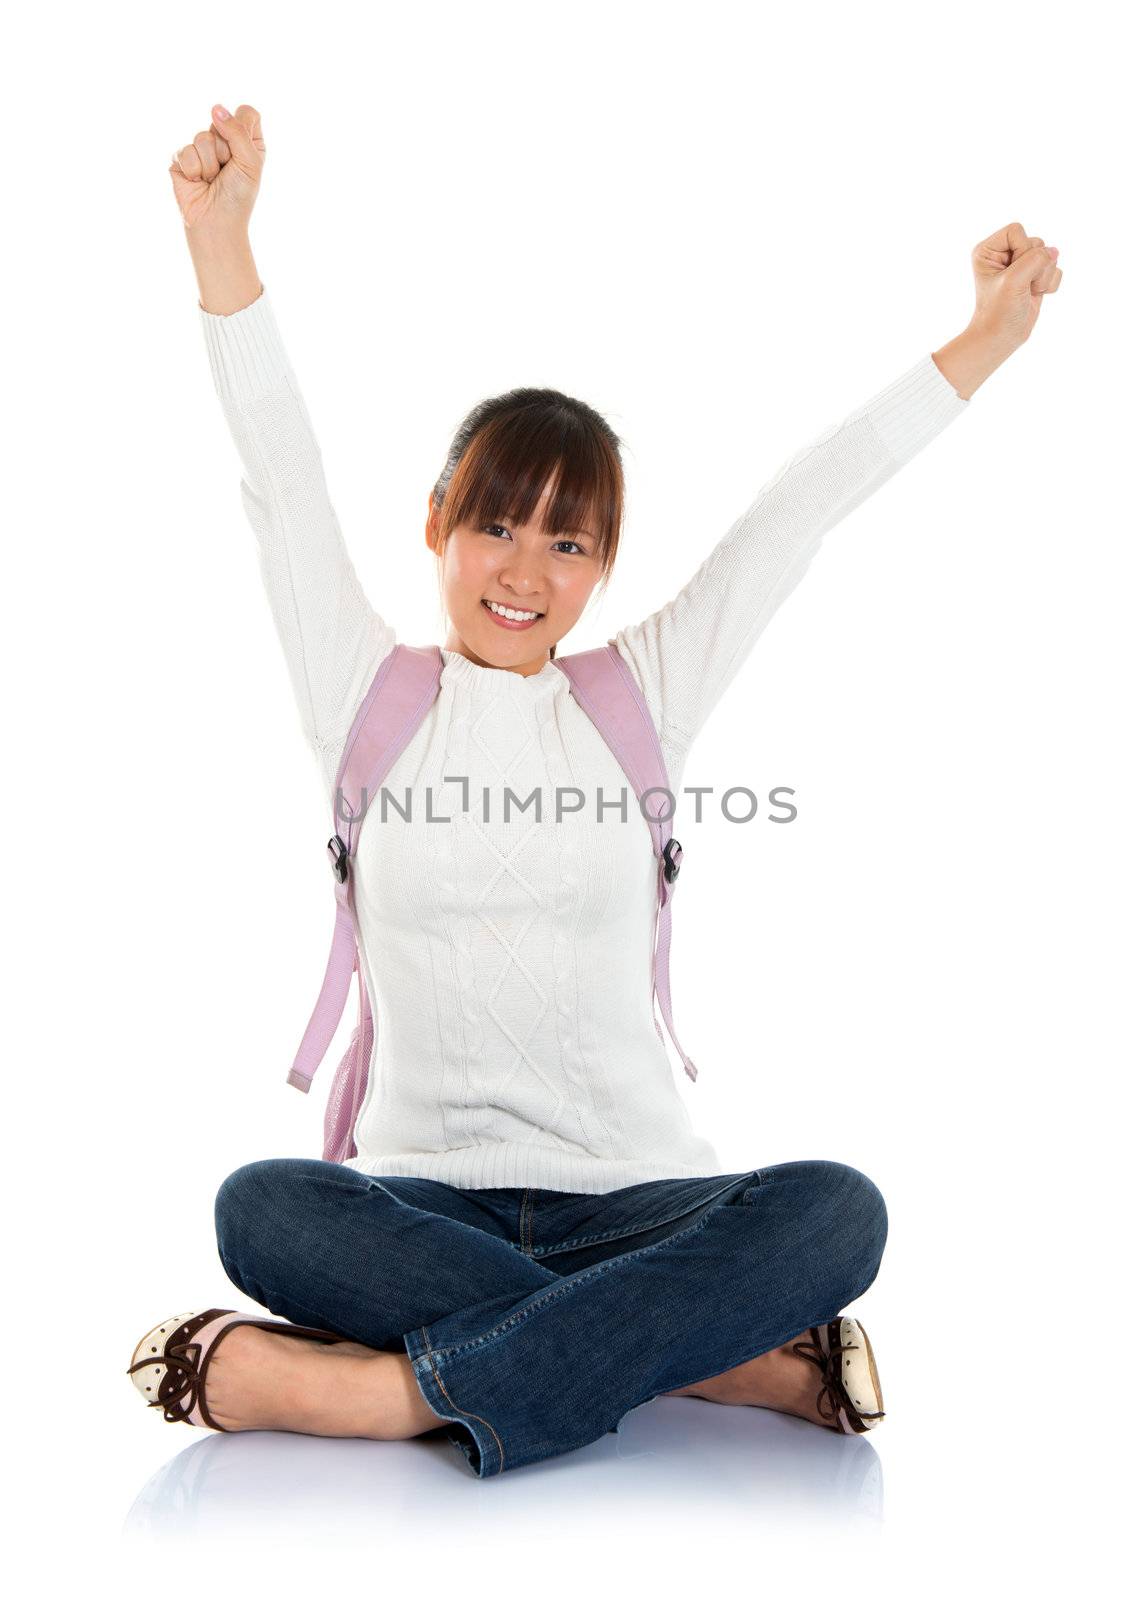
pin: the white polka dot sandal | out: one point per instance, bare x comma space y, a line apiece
850, 1398
170, 1363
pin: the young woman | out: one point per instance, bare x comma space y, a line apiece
531, 1239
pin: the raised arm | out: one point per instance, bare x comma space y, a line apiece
332, 639
685, 655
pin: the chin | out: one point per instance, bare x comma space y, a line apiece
512, 652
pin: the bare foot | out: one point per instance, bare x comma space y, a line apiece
346, 1347
260, 1379
778, 1380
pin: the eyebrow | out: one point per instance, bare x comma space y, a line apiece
510, 516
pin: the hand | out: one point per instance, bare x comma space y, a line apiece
216, 177
1012, 274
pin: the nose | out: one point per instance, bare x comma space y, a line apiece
521, 576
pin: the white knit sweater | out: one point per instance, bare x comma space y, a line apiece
508, 961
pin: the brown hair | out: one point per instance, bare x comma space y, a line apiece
504, 454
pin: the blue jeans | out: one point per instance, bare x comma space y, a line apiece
534, 1319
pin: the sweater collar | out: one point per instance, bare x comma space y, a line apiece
495, 682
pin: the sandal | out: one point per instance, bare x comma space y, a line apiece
850, 1398
171, 1371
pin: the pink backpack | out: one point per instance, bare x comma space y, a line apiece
401, 693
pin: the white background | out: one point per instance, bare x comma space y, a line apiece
725, 227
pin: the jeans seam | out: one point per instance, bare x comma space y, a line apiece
570, 1284
432, 1353
581, 1239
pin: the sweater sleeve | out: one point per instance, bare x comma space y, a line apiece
686, 654
332, 639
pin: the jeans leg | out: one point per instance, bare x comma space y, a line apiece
320, 1243
557, 1367
329, 1247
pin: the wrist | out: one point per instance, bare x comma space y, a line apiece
225, 271
218, 243
969, 358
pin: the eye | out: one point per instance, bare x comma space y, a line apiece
576, 548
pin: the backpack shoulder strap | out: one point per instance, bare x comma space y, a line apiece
607, 691
401, 693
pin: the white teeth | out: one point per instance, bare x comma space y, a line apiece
513, 616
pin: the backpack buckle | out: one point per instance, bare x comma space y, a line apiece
672, 867
338, 855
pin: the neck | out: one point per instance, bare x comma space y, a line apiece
527, 669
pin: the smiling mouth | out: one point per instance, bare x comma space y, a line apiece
535, 615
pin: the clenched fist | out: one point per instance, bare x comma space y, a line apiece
1012, 274
216, 177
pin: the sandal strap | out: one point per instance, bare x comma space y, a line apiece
833, 1397
180, 1391
188, 1351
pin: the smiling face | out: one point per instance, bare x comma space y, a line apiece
521, 568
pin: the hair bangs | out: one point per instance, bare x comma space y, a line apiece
534, 439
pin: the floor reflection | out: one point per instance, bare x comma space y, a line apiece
676, 1454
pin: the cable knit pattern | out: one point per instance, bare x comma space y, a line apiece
508, 956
